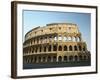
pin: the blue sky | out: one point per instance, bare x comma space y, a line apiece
32, 19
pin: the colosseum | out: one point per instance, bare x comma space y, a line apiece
55, 42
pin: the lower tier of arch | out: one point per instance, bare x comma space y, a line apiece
46, 60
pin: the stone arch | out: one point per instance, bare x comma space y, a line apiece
55, 48
70, 48
69, 38
33, 50
75, 48
65, 48
44, 48
84, 48
71, 58
65, 58
39, 59
55, 38
85, 57
36, 50
60, 48
54, 58
74, 39
50, 38
49, 59
29, 50
76, 58
78, 39
59, 37
80, 48
35, 59
31, 59
41, 39
80, 57
49, 48
44, 59
65, 38
40, 49
37, 40
60, 59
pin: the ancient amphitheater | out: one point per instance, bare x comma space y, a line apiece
55, 42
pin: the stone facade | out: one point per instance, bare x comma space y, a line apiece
55, 42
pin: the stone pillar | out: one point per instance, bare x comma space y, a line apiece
37, 59
62, 37
67, 58
51, 47
51, 58
47, 39
57, 38
46, 59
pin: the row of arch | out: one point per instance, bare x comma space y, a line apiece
52, 38
38, 59
54, 48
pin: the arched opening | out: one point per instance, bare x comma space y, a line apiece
84, 57
69, 39
40, 48
60, 48
84, 48
36, 50
50, 38
44, 49
78, 39
80, 57
76, 58
70, 48
54, 48
65, 58
80, 48
39, 59
75, 48
59, 38
44, 59
70, 58
32, 50
60, 59
65, 48
35, 59
45, 39
31, 59
65, 38
74, 39
49, 59
54, 58
41, 39
55, 38
49, 49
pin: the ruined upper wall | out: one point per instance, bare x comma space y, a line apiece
53, 28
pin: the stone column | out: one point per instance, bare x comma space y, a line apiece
51, 47
57, 38
51, 58
62, 37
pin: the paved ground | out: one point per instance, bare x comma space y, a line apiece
56, 64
